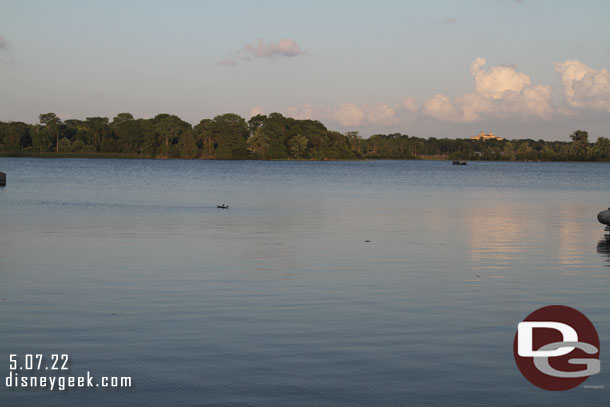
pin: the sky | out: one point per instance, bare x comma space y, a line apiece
521, 69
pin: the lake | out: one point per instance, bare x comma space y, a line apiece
360, 283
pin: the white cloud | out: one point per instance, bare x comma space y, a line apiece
500, 91
349, 114
285, 48
381, 114
583, 86
410, 105
256, 110
301, 113
440, 107
496, 80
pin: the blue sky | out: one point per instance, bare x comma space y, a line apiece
429, 68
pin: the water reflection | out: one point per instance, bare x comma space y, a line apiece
603, 248
497, 237
571, 233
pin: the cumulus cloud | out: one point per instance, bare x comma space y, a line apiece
410, 105
440, 107
306, 112
256, 110
500, 91
352, 115
497, 80
380, 114
583, 86
284, 48
348, 114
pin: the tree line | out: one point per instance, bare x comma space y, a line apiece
273, 136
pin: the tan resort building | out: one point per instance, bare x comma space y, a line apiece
485, 137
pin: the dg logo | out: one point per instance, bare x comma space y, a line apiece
556, 348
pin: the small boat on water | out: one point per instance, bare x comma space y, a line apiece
223, 206
459, 162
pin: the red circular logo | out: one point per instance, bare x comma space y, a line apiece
556, 348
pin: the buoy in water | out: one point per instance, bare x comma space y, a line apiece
604, 217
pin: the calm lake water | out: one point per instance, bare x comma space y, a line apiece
375, 283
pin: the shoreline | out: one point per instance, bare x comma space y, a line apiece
128, 156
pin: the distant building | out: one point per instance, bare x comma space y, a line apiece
485, 137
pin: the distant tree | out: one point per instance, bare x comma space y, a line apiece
41, 139
256, 122
53, 124
580, 144
547, 153
298, 145
98, 131
230, 132
14, 136
169, 129
355, 141
205, 137
65, 144
259, 144
77, 146
121, 118
580, 136
525, 151
273, 136
602, 149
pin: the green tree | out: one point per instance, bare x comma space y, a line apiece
580, 136
205, 138
14, 136
256, 122
230, 132
298, 145
525, 152
41, 138
121, 118
602, 149
53, 124
77, 146
65, 145
98, 132
508, 152
580, 144
259, 144
170, 129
